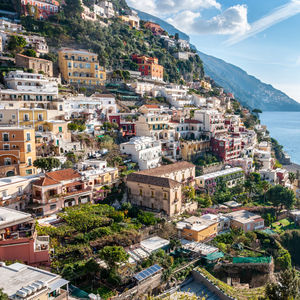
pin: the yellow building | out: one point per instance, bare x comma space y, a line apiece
80, 67
192, 149
17, 151
197, 229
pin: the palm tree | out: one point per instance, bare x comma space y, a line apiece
265, 185
292, 177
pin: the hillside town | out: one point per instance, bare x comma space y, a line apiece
120, 182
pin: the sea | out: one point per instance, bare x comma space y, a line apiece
285, 128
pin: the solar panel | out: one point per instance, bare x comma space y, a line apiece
147, 272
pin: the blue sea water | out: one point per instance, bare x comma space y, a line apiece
285, 128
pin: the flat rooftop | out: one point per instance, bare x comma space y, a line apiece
243, 216
10, 217
154, 243
16, 179
17, 276
220, 173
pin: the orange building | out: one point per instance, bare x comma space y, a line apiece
149, 67
17, 151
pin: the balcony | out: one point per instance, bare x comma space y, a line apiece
42, 243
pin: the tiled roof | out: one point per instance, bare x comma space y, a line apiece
153, 180
45, 181
61, 175
151, 106
166, 169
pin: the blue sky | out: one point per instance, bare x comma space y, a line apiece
260, 36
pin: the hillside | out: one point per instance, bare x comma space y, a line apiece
249, 90
166, 26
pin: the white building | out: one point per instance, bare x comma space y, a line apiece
212, 120
146, 151
30, 82
106, 9
97, 104
176, 95
7, 25
265, 158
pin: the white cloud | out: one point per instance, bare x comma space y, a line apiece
280, 14
298, 61
231, 21
166, 7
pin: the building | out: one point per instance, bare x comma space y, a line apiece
20, 281
155, 28
7, 25
97, 105
146, 151
15, 192
231, 177
132, 20
197, 229
41, 8
17, 151
58, 189
80, 67
212, 120
38, 65
19, 240
149, 67
98, 175
192, 149
127, 128
158, 194
245, 220
105, 10
227, 148
161, 189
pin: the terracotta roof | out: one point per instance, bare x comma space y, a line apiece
151, 106
33, 58
153, 180
167, 169
45, 181
61, 175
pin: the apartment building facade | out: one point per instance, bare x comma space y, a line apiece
81, 67
149, 67
17, 151
42, 8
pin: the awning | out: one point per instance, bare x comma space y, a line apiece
58, 283
214, 256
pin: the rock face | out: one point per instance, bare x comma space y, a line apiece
254, 274
249, 90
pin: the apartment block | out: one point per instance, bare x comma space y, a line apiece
58, 189
38, 65
146, 151
17, 151
42, 8
19, 240
149, 67
81, 67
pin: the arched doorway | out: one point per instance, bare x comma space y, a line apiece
10, 173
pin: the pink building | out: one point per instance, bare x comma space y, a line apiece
44, 8
19, 240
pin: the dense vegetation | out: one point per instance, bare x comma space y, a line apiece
114, 44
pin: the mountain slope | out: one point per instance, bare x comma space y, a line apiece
166, 26
249, 90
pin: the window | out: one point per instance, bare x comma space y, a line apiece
4, 194
7, 161
28, 136
40, 117
52, 206
60, 129
5, 137
40, 128
13, 116
6, 147
1, 116
26, 117
152, 194
29, 161
165, 195
28, 148
141, 192
29, 172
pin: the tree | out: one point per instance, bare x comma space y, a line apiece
3, 296
113, 255
286, 288
72, 126
292, 177
16, 42
30, 52
265, 185
281, 196
47, 164
67, 165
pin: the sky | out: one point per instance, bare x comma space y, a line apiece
260, 36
